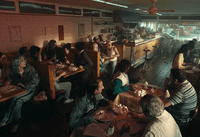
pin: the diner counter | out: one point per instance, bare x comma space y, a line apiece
134, 52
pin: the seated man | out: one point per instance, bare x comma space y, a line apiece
161, 123
24, 51
87, 102
183, 97
34, 53
51, 55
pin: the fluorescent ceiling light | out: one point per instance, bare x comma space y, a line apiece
137, 9
110, 3
159, 14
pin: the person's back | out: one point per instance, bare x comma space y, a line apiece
183, 102
162, 126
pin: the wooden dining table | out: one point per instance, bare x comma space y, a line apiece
131, 100
100, 128
69, 70
5, 95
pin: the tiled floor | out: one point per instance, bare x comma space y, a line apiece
53, 121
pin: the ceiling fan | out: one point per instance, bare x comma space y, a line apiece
153, 10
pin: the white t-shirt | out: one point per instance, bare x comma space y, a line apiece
111, 53
162, 126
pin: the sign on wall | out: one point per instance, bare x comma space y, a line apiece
81, 29
15, 33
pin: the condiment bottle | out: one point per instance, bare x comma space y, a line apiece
111, 129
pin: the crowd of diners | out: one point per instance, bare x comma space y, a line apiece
165, 117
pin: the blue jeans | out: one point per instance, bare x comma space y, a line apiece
108, 67
64, 85
14, 112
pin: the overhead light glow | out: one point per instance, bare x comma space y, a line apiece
145, 11
159, 14
110, 3
137, 9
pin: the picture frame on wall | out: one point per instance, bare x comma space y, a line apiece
81, 29
15, 33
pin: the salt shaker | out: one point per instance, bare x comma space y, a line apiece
111, 129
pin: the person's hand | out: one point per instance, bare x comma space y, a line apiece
167, 80
99, 115
21, 85
63, 73
71, 64
80, 67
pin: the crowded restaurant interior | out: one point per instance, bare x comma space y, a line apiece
102, 68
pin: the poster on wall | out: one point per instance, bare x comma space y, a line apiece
81, 29
15, 33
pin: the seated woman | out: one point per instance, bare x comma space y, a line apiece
178, 61
113, 53
83, 61
66, 49
86, 103
4, 67
51, 55
25, 76
120, 82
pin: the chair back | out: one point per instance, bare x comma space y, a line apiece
45, 72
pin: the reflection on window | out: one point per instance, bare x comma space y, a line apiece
91, 13
7, 5
180, 31
74, 11
26, 7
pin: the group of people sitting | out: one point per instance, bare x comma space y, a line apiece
165, 116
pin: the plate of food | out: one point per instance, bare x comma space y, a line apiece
129, 126
107, 115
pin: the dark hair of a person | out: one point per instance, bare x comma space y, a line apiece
51, 44
1, 54
195, 41
191, 45
152, 105
50, 53
123, 65
100, 38
80, 46
22, 50
33, 50
68, 46
178, 74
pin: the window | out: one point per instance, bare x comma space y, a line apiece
7, 5
26, 7
65, 10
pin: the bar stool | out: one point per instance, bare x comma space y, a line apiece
146, 62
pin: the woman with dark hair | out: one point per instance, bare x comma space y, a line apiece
66, 49
120, 82
25, 76
178, 61
86, 103
52, 44
83, 61
4, 67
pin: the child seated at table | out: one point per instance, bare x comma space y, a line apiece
120, 82
51, 55
87, 102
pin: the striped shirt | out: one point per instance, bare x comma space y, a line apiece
183, 100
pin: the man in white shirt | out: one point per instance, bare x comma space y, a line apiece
161, 123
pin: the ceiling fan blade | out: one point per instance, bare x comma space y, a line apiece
166, 10
143, 10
